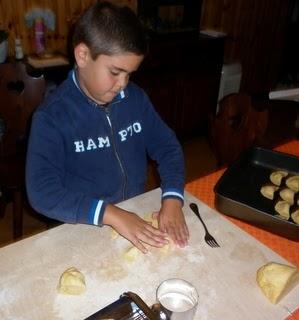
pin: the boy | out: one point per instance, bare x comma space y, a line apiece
90, 139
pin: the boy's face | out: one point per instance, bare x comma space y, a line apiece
102, 79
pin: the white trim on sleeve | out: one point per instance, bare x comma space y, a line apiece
97, 212
172, 193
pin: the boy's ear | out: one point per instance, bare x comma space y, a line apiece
82, 54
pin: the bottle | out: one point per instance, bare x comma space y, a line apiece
39, 36
18, 49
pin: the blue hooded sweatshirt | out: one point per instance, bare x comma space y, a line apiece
82, 156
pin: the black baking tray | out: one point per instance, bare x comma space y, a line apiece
237, 192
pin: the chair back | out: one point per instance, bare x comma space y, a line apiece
237, 126
20, 94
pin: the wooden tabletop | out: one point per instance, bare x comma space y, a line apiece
203, 189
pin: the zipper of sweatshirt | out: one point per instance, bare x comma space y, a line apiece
117, 155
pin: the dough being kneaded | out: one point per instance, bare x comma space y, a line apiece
276, 280
71, 282
131, 254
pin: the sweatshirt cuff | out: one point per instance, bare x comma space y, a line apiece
94, 214
173, 194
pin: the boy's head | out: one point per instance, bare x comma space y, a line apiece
109, 44
110, 30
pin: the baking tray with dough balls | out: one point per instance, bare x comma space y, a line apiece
283, 190
251, 189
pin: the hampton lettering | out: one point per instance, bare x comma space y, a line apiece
104, 142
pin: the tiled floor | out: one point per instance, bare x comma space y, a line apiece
199, 161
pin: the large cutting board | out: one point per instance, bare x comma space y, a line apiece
224, 277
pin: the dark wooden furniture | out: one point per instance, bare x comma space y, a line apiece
256, 36
237, 126
53, 75
20, 94
181, 74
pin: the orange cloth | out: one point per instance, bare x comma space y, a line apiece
203, 187
294, 316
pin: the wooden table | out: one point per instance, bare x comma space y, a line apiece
225, 277
203, 189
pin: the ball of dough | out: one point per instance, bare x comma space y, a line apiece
287, 195
276, 280
71, 282
283, 208
295, 216
269, 190
293, 183
277, 176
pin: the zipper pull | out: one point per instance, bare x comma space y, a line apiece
108, 117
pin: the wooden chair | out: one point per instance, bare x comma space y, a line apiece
20, 94
237, 126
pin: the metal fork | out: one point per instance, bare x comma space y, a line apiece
210, 240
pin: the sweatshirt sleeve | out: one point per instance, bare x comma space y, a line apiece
164, 148
45, 172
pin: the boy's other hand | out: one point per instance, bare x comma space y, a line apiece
172, 221
133, 228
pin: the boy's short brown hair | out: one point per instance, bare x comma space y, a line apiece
110, 29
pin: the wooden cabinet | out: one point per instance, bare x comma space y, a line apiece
256, 34
181, 75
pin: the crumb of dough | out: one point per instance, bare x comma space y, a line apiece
276, 280
114, 234
71, 282
131, 254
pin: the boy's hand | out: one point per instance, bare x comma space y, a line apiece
133, 228
172, 221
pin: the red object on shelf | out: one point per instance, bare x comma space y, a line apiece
39, 32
